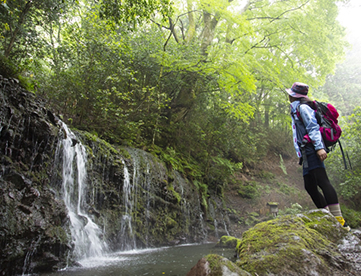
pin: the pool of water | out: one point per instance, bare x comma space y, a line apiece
168, 261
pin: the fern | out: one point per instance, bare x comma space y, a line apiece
282, 165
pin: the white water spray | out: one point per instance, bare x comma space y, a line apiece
127, 235
86, 235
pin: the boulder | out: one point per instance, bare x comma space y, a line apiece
228, 242
311, 243
305, 244
215, 265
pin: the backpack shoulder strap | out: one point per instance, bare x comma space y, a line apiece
315, 105
312, 105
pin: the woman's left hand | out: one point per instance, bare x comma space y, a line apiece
322, 154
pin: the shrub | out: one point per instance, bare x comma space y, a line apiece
249, 190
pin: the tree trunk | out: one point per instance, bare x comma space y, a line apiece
208, 31
192, 24
17, 29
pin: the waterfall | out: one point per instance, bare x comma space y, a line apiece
86, 235
225, 227
126, 233
32, 249
185, 205
215, 211
136, 187
201, 222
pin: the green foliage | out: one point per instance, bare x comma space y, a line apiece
265, 175
282, 165
286, 189
176, 161
348, 182
170, 157
134, 10
352, 217
293, 210
23, 21
343, 88
7, 68
203, 90
221, 167
249, 190
203, 191
175, 194
251, 219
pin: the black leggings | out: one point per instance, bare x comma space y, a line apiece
318, 178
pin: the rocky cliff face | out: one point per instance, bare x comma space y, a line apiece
33, 223
58, 186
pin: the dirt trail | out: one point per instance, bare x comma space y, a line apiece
275, 181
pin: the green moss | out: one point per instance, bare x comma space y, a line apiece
89, 151
104, 147
57, 232
203, 191
214, 264
210, 225
90, 136
170, 223
273, 245
219, 264
228, 242
174, 193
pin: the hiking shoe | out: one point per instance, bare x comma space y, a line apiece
342, 221
345, 225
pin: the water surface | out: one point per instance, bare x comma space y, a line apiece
171, 261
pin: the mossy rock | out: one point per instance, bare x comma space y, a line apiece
170, 223
228, 242
215, 265
279, 246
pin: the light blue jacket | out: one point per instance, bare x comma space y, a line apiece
311, 126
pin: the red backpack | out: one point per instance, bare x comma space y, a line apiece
327, 118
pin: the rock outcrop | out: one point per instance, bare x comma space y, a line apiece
312, 243
33, 224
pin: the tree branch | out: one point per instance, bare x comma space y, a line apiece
17, 29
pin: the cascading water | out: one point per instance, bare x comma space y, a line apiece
85, 233
140, 180
216, 213
185, 206
127, 235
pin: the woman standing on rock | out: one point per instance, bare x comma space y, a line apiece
313, 154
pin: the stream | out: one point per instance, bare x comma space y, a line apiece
171, 261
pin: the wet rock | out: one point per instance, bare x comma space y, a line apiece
18, 180
214, 265
228, 242
314, 238
200, 269
32, 220
25, 209
312, 243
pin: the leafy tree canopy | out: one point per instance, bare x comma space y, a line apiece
208, 82
134, 10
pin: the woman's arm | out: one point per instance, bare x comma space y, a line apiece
312, 127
